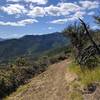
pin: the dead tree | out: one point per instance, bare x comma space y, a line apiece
88, 55
90, 37
85, 49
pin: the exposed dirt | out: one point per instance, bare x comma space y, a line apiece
54, 84
50, 85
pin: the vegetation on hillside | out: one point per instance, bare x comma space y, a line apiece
85, 43
32, 45
34, 57
18, 72
86, 76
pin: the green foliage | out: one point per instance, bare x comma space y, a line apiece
75, 96
2, 87
96, 36
18, 72
20, 61
31, 45
77, 35
85, 48
78, 38
86, 76
57, 51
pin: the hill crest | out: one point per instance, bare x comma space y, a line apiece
31, 45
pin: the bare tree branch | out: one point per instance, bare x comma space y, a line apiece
90, 37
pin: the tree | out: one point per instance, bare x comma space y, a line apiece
78, 38
20, 61
97, 18
2, 87
90, 37
84, 47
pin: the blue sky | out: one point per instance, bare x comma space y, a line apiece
25, 17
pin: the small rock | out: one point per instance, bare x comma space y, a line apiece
90, 89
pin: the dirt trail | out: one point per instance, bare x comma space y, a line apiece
50, 85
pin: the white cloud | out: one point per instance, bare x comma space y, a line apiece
50, 28
14, 0
62, 9
31, 6
59, 21
95, 27
89, 4
27, 21
36, 12
52, 10
19, 23
30, 1
72, 11
14, 9
79, 14
63, 21
91, 13
73, 17
37, 1
65, 8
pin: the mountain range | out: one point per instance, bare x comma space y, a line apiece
31, 45
1, 39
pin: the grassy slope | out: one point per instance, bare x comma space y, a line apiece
62, 81
32, 45
86, 76
49, 85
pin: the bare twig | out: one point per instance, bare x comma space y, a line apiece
90, 37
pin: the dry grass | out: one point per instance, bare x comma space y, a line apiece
62, 81
86, 76
74, 95
50, 85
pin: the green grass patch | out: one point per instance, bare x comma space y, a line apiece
75, 96
86, 76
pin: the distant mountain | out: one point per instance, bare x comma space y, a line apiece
1, 39
31, 45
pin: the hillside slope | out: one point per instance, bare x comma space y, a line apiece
31, 45
50, 85
1, 39
57, 83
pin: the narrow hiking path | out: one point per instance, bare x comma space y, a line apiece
50, 85
57, 83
